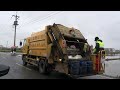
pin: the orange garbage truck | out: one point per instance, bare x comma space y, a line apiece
59, 48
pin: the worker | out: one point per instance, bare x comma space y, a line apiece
86, 49
91, 49
11, 50
99, 45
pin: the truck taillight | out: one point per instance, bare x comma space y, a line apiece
63, 43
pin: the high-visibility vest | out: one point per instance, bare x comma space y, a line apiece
101, 44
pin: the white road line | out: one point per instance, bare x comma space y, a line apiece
23, 66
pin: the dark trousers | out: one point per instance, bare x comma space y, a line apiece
97, 50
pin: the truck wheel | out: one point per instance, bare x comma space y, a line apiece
42, 67
24, 61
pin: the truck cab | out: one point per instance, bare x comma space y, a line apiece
25, 47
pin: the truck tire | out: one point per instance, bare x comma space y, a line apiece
24, 61
42, 67
48, 69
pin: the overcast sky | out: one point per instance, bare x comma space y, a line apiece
104, 24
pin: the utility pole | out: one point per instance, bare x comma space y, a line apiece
15, 24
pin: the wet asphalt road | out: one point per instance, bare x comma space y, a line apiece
18, 71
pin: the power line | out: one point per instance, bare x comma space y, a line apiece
33, 20
49, 16
43, 18
37, 17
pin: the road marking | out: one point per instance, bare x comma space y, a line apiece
23, 66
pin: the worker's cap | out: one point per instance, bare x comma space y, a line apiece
96, 38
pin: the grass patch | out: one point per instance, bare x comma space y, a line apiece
8, 50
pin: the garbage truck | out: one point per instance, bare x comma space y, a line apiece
60, 48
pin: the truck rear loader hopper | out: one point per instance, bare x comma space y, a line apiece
58, 48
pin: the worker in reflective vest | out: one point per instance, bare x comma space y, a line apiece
86, 50
99, 45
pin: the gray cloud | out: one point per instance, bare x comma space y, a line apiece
103, 24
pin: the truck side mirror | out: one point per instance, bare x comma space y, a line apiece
20, 43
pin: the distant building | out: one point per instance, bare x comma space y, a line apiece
117, 50
110, 51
